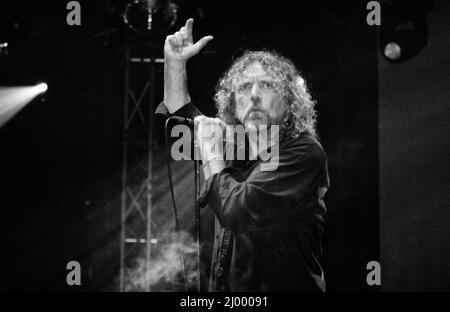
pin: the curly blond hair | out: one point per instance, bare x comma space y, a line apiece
301, 114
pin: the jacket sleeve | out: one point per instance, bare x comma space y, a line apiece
189, 111
267, 196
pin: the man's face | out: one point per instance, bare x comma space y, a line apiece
257, 102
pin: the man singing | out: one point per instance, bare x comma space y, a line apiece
269, 223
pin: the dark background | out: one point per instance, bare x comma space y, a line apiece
381, 124
414, 164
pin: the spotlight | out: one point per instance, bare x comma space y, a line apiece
3, 48
392, 51
41, 88
150, 17
404, 31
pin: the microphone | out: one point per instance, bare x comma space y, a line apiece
190, 123
183, 120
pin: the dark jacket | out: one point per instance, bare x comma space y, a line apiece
269, 224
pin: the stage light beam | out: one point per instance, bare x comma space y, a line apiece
13, 99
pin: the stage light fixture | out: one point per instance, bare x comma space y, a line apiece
404, 30
3, 48
392, 51
41, 87
150, 17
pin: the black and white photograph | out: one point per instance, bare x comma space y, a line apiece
225, 151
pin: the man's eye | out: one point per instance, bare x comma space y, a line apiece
266, 84
245, 86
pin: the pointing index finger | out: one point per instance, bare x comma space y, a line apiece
189, 27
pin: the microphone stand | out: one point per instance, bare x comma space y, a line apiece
197, 218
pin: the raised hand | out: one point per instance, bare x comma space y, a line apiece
180, 46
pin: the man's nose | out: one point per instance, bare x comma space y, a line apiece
255, 95
255, 89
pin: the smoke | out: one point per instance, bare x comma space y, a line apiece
165, 269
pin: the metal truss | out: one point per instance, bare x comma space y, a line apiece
136, 202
